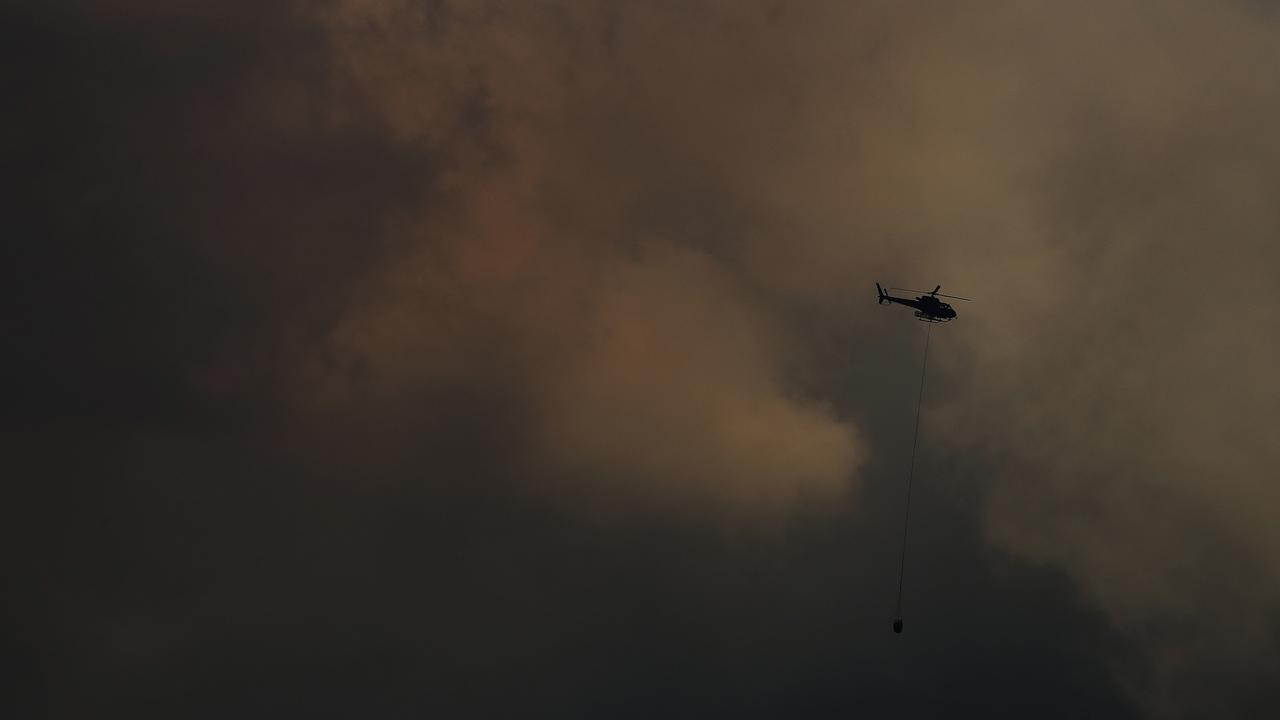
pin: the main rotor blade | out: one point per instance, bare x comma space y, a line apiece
926, 292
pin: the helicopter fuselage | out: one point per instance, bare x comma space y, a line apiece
927, 307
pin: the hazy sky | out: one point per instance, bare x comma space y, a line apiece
490, 359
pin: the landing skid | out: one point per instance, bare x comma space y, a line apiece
925, 317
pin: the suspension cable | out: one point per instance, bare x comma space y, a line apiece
906, 516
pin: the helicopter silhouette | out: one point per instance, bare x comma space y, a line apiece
928, 307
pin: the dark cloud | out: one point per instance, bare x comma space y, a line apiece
390, 358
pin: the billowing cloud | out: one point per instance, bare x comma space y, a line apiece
1099, 178
504, 328
651, 370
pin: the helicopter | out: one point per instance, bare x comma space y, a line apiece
928, 307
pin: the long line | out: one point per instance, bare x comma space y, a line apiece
906, 516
